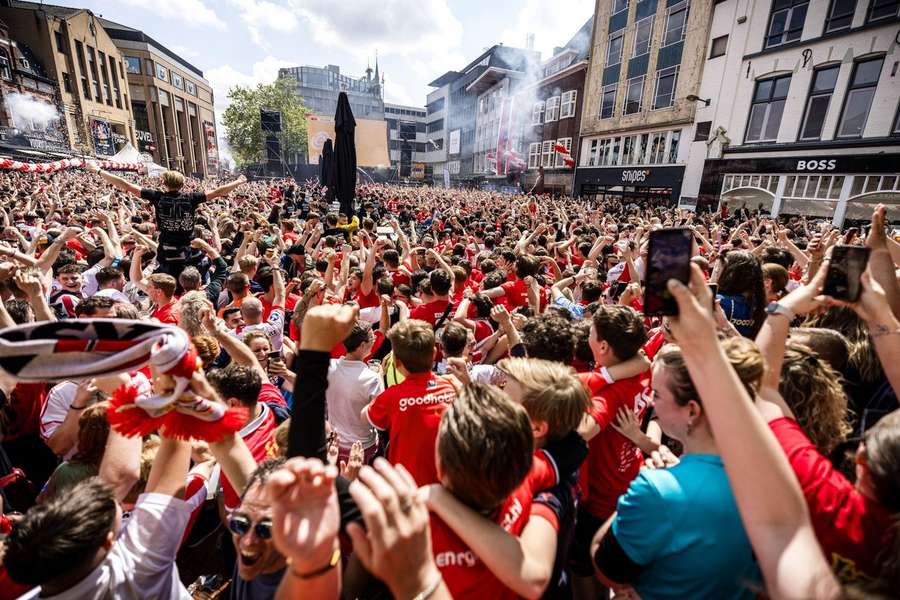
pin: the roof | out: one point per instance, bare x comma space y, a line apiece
59, 11
117, 31
581, 41
448, 77
504, 57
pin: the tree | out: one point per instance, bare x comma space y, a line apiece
241, 120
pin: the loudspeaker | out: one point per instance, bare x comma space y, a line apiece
270, 121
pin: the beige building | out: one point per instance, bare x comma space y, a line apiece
647, 58
171, 101
77, 53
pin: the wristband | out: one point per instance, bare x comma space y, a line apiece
430, 589
882, 330
73, 407
332, 563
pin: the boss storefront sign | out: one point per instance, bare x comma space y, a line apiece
855, 164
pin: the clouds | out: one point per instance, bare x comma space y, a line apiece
261, 15
225, 77
189, 12
550, 25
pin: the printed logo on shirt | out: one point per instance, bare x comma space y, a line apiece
426, 400
455, 559
512, 515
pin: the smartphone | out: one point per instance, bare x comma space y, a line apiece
846, 266
713, 289
668, 257
274, 354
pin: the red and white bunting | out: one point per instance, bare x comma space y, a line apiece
8, 164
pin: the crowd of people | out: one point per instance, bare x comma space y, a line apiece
447, 394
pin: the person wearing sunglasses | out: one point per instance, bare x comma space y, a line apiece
259, 566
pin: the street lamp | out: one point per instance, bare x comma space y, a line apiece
694, 98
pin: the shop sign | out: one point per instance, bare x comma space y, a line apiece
635, 175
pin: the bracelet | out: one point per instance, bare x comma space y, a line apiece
883, 330
73, 407
332, 563
430, 589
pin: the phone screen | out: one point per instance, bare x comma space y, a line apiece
846, 266
668, 257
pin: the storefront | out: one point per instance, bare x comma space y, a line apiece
641, 185
835, 187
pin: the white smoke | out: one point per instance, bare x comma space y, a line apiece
32, 113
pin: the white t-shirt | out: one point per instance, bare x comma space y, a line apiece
61, 396
273, 328
351, 387
141, 564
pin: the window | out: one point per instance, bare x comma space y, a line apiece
634, 92
619, 6
161, 73
766, 109
673, 147
133, 65
614, 48
817, 104
718, 46
665, 88
534, 155
786, 22
859, 97
67, 82
537, 113
552, 111
675, 23
895, 130
547, 154
657, 149
643, 30
883, 9
190, 88
560, 159
567, 109
60, 42
5, 67
177, 81
608, 101
841, 15
82, 70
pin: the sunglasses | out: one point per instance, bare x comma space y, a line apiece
240, 525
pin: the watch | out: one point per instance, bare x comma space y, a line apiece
775, 308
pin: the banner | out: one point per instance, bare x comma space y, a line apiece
212, 150
103, 141
371, 140
417, 171
453, 146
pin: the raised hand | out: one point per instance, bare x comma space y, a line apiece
325, 326
305, 512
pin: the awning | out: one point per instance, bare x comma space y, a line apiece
490, 78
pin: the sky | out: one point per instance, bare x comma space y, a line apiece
245, 42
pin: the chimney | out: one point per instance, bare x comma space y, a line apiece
529, 41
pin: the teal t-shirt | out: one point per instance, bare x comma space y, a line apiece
683, 526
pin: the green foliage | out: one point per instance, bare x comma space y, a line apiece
241, 120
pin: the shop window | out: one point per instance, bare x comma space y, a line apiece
840, 15
608, 101
643, 32
666, 81
767, 108
786, 21
817, 104
634, 91
859, 97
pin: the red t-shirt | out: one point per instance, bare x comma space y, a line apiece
412, 411
259, 435
851, 528
431, 312
613, 460
400, 278
22, 410
164, 313
464, 573
370, 301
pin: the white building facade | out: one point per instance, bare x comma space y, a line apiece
803, 109
406, 139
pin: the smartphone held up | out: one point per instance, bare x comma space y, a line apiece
846, 267
668, 257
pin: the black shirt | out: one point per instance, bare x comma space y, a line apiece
174, 213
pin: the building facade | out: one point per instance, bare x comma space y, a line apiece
319, 87
804, 115
172, 103
554, 115
87, 68
23, 78
647, 58
407, 140
453, 111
